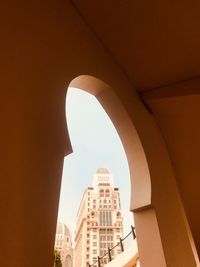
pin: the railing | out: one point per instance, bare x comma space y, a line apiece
108, 254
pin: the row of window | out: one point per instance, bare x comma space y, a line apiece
105, 238
106, 245
105, 231
92, 223
59, 243
102, 207
102, 201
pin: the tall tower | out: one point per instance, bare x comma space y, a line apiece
99, 221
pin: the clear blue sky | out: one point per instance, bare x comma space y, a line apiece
95, 143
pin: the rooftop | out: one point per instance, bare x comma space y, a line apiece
102, 171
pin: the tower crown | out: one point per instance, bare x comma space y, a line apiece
103, 177
102, 171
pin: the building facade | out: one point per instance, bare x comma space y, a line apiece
99, 221
63, 244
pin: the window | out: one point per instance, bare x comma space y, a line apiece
94, 236
94, 251
105, 218
102, 238
101, 193
109, 238
118, 215
94, 244
107, 193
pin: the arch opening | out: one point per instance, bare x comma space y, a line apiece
138, 165
129, 139
147, 207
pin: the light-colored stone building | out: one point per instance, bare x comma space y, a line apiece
99, 221
63, 244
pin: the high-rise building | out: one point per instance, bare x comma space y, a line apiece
99, 221
63, 244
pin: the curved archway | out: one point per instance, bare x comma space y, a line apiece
68, 261
139, 172
152, 177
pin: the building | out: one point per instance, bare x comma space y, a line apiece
99, 221
63, 244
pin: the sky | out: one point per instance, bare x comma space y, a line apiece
95, 143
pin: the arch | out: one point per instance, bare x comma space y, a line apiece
138, 166
118, 214
155, 197
68, 261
